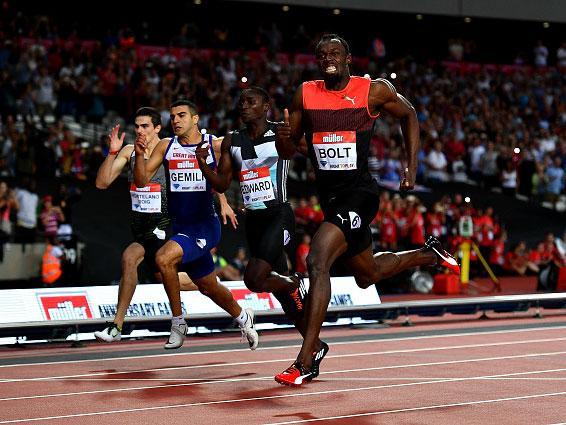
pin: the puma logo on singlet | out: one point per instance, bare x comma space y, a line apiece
351, 99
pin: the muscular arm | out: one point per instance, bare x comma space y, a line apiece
144, 171
112, 166
289, 134
384, 97
219, 179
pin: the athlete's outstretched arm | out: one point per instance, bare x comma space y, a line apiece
221, 178
290, 133
143, 171
384, 97
115, 161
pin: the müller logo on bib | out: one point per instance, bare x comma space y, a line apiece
191, 163
334, 137
256, 173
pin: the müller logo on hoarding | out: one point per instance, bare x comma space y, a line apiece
65, 307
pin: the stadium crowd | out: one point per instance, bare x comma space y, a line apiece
499, 126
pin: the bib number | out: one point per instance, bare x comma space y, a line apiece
185, 176
146, 199
256, 186
336, 150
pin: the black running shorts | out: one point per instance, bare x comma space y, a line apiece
269, 232
152, 235
352, 212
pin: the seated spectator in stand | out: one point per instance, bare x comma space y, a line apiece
539, 256
301, 256
51, 262
50, 217
224, 271
517, 260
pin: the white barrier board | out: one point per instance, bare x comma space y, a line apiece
95, 302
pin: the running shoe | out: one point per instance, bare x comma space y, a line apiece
317, 357
295, 375
112, 333
248, 330
445, 259
177, 336
299, 294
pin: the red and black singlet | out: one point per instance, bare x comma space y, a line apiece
338, 129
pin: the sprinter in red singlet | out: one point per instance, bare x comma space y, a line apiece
336, 115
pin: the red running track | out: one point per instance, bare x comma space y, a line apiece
496, 372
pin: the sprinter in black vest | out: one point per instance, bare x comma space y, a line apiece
250, 154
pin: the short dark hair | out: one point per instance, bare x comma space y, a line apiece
328, 37
261, 92
184, 102
152, 113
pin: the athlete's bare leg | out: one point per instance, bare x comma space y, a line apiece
209, 286
131, 259
167, 259
327, 245
259, 277
185, 282
369, 269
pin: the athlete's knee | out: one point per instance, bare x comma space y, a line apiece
162, 260
130, 260
206, 286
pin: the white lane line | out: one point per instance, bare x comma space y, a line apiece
340, 356
282, 396
415, 409
369, 341
220, 381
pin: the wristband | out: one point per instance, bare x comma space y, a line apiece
114, 152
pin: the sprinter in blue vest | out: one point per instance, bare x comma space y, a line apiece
196, 228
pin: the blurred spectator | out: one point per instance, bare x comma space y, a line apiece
8, 203
555, 178
488, 166
415, 223
540, 53
26, 225
240, 261
561, 55
223, 269
51, 262
517, 260
436, 165
301, 256
50, 217
509, 179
